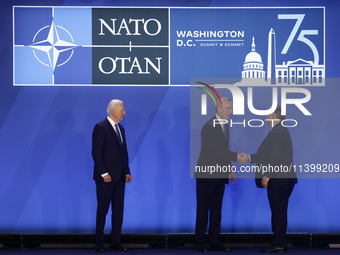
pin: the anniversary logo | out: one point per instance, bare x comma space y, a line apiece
291, 57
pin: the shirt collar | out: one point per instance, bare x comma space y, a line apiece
111, 121
275, 125
221, 122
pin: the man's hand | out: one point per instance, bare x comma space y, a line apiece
232, 178
107, 178
128, 178
265, 181
243, 158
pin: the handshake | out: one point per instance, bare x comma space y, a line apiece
242, 158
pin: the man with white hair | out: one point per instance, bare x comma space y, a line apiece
210, 187
111, 171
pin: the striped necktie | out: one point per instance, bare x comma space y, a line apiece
118, 134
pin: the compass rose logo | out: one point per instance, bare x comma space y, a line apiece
49, 50
52, 46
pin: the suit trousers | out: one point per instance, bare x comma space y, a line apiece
278, 197
209, 198
107, 193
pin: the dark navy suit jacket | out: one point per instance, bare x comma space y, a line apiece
214, 150
108, 155
210, 188
275, 150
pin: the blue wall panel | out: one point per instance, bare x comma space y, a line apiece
46, 167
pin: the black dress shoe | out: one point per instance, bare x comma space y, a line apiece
218, 247
274, 249
118, 247
99, 248
202, 248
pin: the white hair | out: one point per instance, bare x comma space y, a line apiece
113, 103
222, 99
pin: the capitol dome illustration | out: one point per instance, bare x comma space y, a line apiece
253, 66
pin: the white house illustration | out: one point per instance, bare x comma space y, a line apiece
300, 72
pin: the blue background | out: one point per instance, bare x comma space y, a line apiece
46, 167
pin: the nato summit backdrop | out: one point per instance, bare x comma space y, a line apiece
62, 61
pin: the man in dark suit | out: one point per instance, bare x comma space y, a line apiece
210, 185
274, 158
111, 171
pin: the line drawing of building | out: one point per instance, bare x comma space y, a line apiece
298, 72
271, 63
253, 66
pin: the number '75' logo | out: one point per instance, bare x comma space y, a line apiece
301, 37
